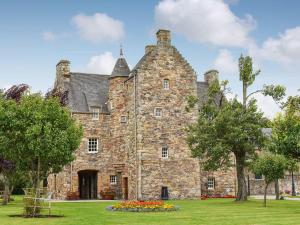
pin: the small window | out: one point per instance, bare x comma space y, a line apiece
258, 176
123, 119
93, 145
158, 112
95, 113
166, 84
113, 179
111, 105
165, 152
210, 183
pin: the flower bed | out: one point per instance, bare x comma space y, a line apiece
204, 197
142, 206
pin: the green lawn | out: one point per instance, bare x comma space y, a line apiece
216, 211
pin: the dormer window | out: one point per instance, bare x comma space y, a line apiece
95, 113
166, 84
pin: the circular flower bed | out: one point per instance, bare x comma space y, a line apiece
142, 206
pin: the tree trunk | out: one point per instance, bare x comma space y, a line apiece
5, 195
293, 185
240, 172
265, 195
277, 189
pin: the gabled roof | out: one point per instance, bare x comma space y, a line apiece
86, 91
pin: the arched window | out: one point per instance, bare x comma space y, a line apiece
166, 84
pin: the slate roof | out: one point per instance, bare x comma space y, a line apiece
87, 90
121, 68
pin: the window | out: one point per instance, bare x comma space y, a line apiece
113, 179
111, 105
95, 113
158, 112
210, 183
165, 152
93, 145
166, 84
258, 176
123, 119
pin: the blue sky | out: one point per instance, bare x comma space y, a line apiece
35, 35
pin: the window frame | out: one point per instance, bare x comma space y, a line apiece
211, 183
113, 179
165, 152
155, 112
95, 111
166, 84
90, 143
123, 119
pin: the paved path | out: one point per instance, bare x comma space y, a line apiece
273, 197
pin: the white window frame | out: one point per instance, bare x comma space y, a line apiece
166, 84
210, 183
165, 152
95, 113
113, 179
123, 119
156, 112
93, 145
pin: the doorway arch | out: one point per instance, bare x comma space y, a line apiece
87, 180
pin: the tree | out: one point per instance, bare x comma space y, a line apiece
225, 128
272, 167
37, 133
285, 137
7, 168
49, 136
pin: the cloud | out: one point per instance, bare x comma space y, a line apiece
225, 63
98, 27
48, 36
283, 49
205, 21
267, 105
102, 64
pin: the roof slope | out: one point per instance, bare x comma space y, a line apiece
121, 68
87, 90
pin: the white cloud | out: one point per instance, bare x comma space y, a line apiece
205, 21
267, 105
48, 36
103, 63
225, 63
98, 27
284, 49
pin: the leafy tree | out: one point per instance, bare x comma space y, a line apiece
225, 128
272, 167
285, 137
49, 136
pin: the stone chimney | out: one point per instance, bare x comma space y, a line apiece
62, 72
211, 76
163, 37
149, 48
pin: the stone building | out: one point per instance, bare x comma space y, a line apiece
134, 130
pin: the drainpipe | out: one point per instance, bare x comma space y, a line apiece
138, 154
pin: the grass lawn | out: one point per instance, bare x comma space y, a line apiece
213, 211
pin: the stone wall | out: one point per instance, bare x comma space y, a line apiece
179, 172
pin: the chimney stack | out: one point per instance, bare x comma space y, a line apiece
163, 37
211, 76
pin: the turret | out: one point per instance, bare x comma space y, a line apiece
121, 68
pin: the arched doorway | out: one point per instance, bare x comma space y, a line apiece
87, 180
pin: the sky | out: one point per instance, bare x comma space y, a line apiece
210, 34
